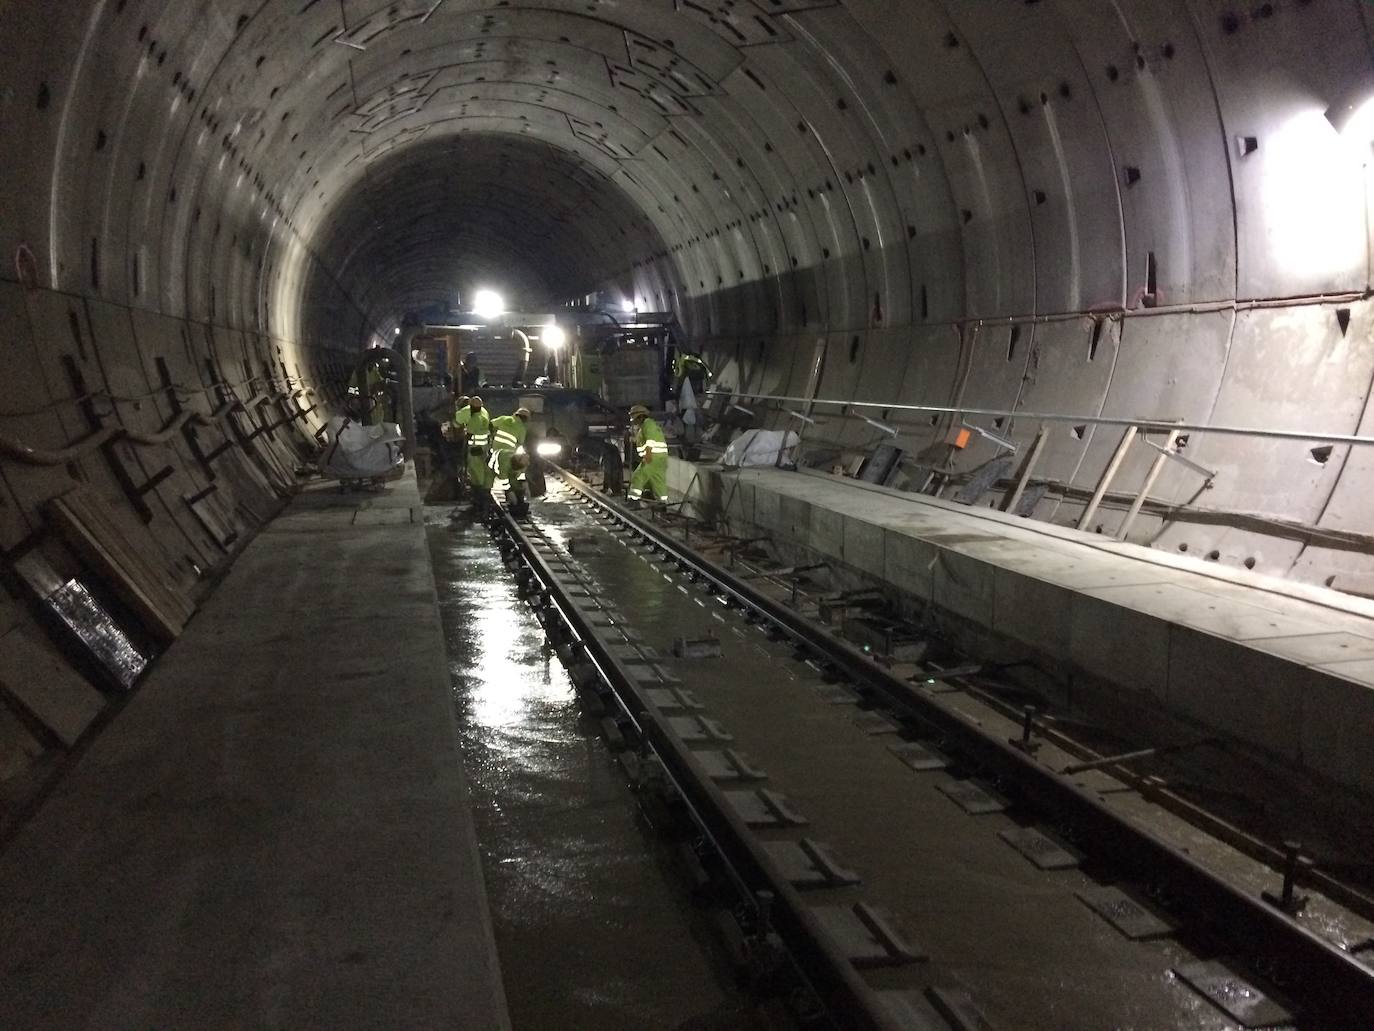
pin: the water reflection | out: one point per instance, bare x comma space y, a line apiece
579, 889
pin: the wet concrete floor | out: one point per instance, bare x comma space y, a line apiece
593, 922
1033, 953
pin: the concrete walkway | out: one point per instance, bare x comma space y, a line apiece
275, 832
1285, 667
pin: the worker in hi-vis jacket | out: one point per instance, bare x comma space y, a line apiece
475, 422
650, 480
507, 460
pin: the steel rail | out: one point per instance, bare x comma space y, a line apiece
1145, 425
846, 996
1335, 984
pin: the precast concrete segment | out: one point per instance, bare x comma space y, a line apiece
1263, 661
1031, 954
275, 831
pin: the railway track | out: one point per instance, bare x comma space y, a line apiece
912, 857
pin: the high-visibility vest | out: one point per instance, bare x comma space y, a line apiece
478, 425
507, 433
686, 364
650, 441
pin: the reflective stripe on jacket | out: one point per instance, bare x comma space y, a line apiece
650, 441
507, 433
477, 424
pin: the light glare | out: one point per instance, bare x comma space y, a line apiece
554, 336
488, 304
549, 449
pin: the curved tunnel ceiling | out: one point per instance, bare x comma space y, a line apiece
967, 159
1100, 208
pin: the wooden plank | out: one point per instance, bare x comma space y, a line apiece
155, 576
91, 537
46, 687
155, 580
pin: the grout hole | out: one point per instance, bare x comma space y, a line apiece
1250, 562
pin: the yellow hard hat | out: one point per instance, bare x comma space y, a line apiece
463, 400
639, 412
475, 400
522, 413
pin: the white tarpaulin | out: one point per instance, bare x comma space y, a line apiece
354, 451
761, 447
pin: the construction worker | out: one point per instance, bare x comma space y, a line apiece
470, 373
692, 367
366, 392
650, 479
507, 460
455, 446
474, 423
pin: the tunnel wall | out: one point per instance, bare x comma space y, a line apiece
1135, 211
1095, 208
133, 304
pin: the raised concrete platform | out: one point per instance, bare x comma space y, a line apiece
1284, 667
275, 832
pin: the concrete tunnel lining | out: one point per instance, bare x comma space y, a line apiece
1125, 210
793, 171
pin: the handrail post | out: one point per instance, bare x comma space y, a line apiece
407, 388
1156, 467
1108, 474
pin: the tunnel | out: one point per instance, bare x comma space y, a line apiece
1094, 276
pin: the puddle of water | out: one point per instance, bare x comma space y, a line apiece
595, 930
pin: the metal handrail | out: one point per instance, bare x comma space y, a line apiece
1154, 425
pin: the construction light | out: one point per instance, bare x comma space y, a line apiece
487, 304
549, 449
628, 306
554, 336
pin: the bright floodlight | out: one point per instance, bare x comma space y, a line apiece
488, 304
628, 306
549, 448
554, 336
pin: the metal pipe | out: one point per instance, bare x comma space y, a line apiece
1154, 425
1156, 467
406, 393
